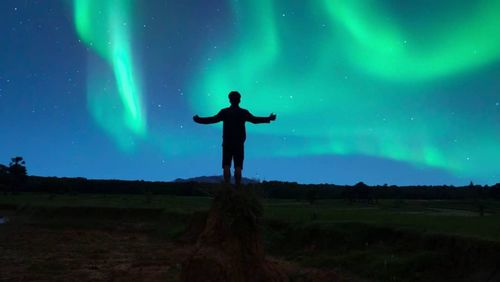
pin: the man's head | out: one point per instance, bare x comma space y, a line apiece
234, 98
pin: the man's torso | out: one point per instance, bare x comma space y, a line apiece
234, 132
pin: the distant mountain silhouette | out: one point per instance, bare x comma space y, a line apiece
214, 179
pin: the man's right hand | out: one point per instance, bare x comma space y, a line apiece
272, 116
196, 118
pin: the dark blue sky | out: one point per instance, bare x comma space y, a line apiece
46, 72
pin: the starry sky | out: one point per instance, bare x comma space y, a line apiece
380, 91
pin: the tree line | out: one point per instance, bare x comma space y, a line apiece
14, 178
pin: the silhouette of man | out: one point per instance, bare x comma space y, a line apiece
233, 134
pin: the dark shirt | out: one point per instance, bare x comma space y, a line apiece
233, 128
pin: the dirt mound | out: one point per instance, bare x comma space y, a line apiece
230, 246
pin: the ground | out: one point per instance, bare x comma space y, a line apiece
137, 238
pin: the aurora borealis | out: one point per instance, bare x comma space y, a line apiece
103, 26
387, 91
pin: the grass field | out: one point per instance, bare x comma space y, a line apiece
391, 240
460, 218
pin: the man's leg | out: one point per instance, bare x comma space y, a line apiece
238, 164
226, 163
227, 174
237, 176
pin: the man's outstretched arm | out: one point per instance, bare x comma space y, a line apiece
253, 119
208, 120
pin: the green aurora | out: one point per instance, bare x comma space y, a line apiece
348, 78
104, 26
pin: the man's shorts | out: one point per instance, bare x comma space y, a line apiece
230, 152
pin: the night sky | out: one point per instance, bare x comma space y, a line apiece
388, 91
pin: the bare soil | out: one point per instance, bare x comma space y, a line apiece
43, 248
38, 253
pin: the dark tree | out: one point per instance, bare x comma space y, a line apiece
17, 173
17, 167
